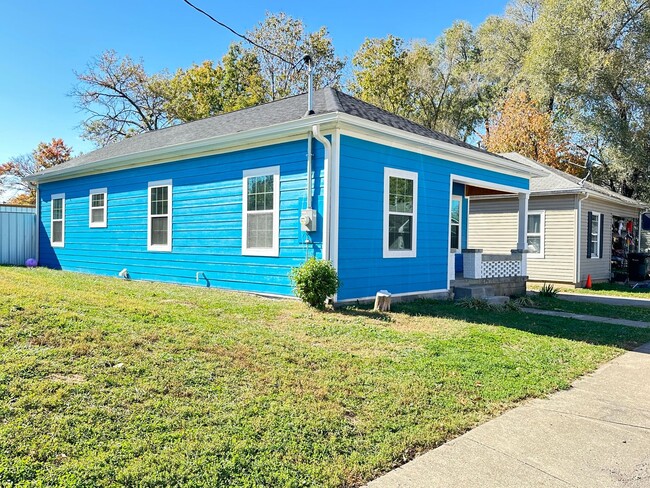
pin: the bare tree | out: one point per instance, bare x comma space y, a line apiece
119, 98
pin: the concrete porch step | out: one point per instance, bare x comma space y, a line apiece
473, 291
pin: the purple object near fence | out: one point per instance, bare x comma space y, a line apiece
31, 263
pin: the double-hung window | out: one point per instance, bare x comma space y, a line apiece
261, 211
594, 235
57, 227
97, 207
455, 222
400, 213
159, 228
535, 236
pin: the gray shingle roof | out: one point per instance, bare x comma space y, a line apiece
326, 100
556, 181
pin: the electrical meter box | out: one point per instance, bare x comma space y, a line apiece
308, 220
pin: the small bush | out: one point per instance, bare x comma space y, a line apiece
548, 290
314, 281
475, 304
523, 301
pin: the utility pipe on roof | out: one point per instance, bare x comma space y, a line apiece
326, 190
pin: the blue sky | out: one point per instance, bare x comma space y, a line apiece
42, 43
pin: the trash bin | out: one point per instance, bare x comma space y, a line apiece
638, 266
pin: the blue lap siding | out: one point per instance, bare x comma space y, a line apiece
206, 220
362, 268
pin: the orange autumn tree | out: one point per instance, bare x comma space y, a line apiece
520, 126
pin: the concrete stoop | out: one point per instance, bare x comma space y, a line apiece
483, 292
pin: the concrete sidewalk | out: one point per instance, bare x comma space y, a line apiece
588, 318
606, 299
597, 434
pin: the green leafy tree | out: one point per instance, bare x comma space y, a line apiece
206, 90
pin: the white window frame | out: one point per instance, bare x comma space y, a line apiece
104, 222
274, 250
595, 253
541, 234
398, 173
158, 247
460, 223
57, 196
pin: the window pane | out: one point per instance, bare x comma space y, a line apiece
534, 224
400, 196
159, 231
98, 200
260, 230
57, 231
535, 244
454, 236
260, 193
57, 208
97, 215
159, 196
455, 211
399, 232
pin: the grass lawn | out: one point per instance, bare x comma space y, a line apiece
611, 289
106, 382
599, 309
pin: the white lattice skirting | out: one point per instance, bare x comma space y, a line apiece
500, 269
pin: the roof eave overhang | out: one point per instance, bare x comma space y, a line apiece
277, 132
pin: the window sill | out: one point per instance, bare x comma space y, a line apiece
159, 248
271, 253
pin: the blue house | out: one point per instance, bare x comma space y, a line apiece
235, 201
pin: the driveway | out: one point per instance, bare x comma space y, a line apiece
596, 434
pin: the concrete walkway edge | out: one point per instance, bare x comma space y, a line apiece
589, 318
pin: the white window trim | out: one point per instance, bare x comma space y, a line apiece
52, 198
595, 253
460, 223
542, 228
398, 173
97, 191
157, 247
273, 251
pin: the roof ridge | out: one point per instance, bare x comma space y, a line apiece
333, 94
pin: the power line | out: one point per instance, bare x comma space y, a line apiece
239, 35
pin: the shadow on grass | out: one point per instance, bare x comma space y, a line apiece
558, 327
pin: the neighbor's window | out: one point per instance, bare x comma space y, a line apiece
97, 211
535, 236
400, 213
57, 231
455, 222
594, 225
160, 216
261, 212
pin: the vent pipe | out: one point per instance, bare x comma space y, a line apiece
310, 83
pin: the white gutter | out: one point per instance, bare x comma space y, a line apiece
585, 195
326, 190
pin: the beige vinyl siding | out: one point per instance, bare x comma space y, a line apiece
600, 268
493, 228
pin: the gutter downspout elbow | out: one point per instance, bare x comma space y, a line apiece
326, 190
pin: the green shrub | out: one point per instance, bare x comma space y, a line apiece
476, 304
314, 281
548, 290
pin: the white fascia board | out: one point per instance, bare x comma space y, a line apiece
365, 129
293, 130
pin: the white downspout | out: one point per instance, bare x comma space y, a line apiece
309, 171
326, 190
38, 225
578, 280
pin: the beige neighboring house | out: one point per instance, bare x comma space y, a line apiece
575, 228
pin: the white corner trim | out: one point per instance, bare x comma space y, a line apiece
274, 250
410, 175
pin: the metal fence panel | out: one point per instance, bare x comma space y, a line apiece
17, 234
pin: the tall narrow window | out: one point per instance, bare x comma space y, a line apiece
97, 211
261, 212
535, 236
594, 231
160, 216
400, 213
455, 222
57, 231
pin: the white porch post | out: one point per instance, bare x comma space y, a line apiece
522, 234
